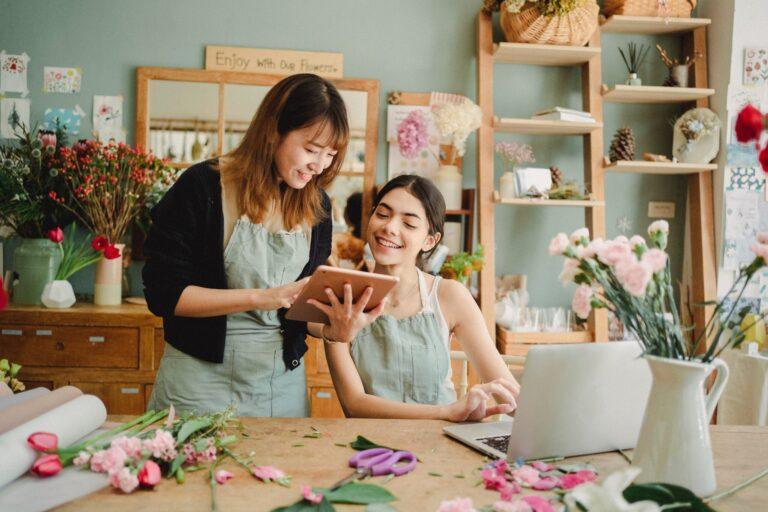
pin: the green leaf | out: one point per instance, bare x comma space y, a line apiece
666, 494
305, 506
360, 494
192, 426
176, 464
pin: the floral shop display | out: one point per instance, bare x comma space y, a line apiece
564, 22
631, 278
28, 176
108, 184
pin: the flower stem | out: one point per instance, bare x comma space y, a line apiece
737, 487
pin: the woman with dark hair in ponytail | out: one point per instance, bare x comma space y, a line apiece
394, 361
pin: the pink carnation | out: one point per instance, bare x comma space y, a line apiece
761, 251
108, 461
656, 259
578, 235
558, 244
526, 474
636, 240
572, 480
162, 446
124, 480
570, 269
541, 466
594, 247
267, 473
762, 237
312, 497
508, 489
659, 225
457, 505
493, 479
130, 445
613, 251
538, 504
512, 506
222, 476
412, 134
581, 303
545, 484
82, 458
633, 275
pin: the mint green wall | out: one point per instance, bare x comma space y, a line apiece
409, 45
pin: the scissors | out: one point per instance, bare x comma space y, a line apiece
377, 462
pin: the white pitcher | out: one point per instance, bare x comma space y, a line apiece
674, 445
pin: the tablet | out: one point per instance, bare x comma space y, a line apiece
335, 278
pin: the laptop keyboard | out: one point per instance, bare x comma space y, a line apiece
500, 443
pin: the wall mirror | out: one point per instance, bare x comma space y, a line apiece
190, 115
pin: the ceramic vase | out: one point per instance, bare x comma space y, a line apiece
58, 294
448, 181
507, 188
108, 280
674, 445
35, 261
680, 74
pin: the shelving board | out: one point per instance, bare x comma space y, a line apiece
649, 25
504, 336
529, 201
670, 168
544, 126
653, 94
543, 54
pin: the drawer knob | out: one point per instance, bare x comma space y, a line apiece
96, 339
323, 394
129, 391
59, 345
11, 332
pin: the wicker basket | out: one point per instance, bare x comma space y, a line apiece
530, 26
674, 8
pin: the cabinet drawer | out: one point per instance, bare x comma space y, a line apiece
324, 403
120, 398
73, 346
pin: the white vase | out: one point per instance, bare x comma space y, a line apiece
448, 181
507, 187
674, 445
58, 294
108, 280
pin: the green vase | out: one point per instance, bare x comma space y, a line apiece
35, 261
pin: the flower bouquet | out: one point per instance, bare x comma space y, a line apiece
631, 278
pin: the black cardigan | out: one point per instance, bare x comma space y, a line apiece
185, 247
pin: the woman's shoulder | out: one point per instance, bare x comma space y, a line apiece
454, 296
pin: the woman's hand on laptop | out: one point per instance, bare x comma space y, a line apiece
347, 318
474, 405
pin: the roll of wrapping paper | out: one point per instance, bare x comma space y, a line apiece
4, 389
30, 409
10, 401
70, 421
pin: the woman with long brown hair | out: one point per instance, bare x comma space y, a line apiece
230, 248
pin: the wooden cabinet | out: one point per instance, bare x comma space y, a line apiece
110, 352
323, 401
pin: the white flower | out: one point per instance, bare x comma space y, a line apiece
456, 121
608, 497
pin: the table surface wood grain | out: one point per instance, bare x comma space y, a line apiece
739, 452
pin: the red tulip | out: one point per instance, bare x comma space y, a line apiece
763, 157
43, 441
149, 474
99, 243
749, 124
47, 465
111, 252
56, 235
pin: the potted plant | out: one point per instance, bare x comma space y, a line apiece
631, 278
75, 256
28, 176
633, 59
512, 154
109, 183
460, 266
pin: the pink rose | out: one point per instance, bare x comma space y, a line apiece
223, 475
578, 236
108, 461
124, 480
149, 474
526, 474
267, 473
634, 275
558, 244
613, 251
511, 506
581, 303
538, 504
457, 505
656, 259
312, 497
131, 445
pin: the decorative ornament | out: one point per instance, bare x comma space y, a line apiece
623, 145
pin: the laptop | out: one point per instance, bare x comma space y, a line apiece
575, 399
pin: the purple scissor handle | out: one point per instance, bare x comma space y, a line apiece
382, 461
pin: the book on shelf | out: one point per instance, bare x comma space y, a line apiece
564, 114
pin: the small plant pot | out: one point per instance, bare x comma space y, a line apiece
680, 74
58, 294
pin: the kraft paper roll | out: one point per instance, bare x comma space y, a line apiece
10, 401
30, 409
4, 389
70, 421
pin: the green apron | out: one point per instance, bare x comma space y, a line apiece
406, 360
253, 375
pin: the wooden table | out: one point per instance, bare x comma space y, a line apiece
740, 452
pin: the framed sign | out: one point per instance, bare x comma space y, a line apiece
274, 62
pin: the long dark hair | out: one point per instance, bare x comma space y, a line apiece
293, 103
430, 198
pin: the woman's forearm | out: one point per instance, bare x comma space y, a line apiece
371, 406
196, 301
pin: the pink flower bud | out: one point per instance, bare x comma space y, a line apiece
43, 441
149, 474
47, 465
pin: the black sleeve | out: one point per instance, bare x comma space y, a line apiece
173, 244
325, 232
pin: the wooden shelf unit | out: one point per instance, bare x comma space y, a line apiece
620, 93
693, 31
650, 25
544, 54
544, 126
669, 168
532, 201
587, 58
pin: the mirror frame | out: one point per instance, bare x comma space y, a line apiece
222, 78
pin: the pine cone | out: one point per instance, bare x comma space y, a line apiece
623, 145
557, 176
671, 81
